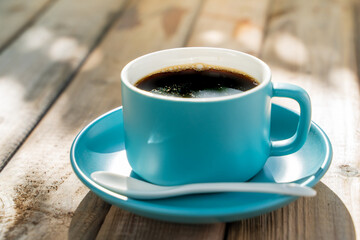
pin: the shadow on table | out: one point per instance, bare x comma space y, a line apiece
94, 218
88, 217
322, 217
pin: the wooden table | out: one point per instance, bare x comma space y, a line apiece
60, 62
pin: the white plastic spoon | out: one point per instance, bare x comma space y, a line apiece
138, 189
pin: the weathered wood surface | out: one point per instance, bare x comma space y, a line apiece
40, 62
88, 217
43, 194
17, 15
301, 44
120, 224
311, 44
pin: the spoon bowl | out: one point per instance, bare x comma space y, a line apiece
138, 189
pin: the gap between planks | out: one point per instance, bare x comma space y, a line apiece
24, 128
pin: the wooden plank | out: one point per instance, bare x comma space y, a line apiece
312, 45
300, 220
88, 217
231, 24
120, 224
16, 15
39, 191
39, 64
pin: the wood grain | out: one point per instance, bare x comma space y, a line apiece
322, 217
39, 191
16, 16
37, 66
311, 44
120, 224
88, 217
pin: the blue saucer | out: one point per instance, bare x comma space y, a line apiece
100, 146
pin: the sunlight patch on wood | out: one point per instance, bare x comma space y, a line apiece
36, 38
291, 49
63, 49
213, 37
10, 88
342, 77
248, 35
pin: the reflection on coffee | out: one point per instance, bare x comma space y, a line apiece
197, 81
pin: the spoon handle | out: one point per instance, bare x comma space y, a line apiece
292, 189
138, 189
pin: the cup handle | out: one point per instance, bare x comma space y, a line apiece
294, 143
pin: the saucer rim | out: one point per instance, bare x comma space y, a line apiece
187, 215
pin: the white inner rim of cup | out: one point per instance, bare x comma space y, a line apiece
226, 58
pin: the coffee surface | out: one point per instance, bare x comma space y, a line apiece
197, 83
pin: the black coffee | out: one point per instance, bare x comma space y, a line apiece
194, 82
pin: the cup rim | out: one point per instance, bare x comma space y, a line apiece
266, 69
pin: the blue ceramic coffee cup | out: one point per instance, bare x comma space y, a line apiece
173, 140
